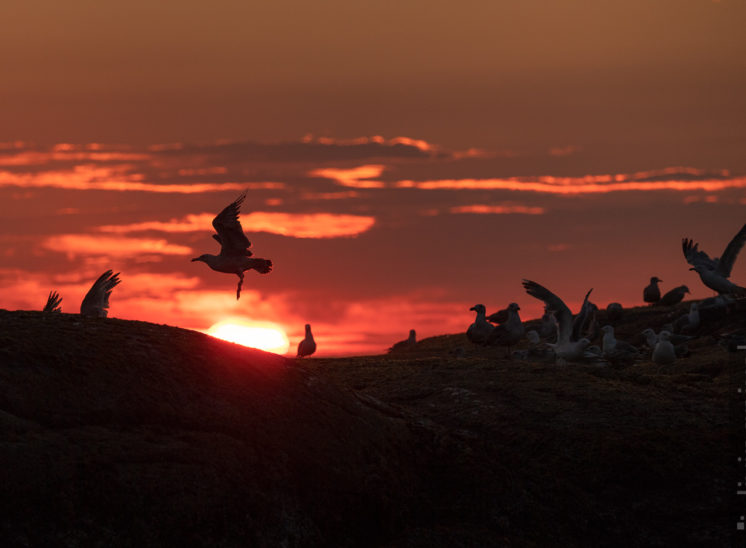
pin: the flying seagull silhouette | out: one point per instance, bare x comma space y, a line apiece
714, 273
96, 301
234, 256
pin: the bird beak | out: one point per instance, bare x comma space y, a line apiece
195, 259
692, 269
474, 309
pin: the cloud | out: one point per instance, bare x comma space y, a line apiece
567, 150
295, 225
310, 148
356, 177
498, 209
87, 177
589, 184
23, 156
342, 195
74, 245
190, 223
308, 225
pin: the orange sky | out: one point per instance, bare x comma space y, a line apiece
404, 160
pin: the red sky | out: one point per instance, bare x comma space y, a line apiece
404, 161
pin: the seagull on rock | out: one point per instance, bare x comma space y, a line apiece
307, 346
664, 351
615, 350
678, 341
675, 296
688, 323
548, 325
565, 348
499, 317
614, 311
406, 344
508, 332
53, 302
480, 330
714, 273
652, 293
234, 256
96, 301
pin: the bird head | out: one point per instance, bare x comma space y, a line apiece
478, 308
514, 306
202, 258
655, 279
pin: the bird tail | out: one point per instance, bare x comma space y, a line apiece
263, 266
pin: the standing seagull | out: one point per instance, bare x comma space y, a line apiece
406, 343
510, 331
565, 347
53, 303
96, 301
675, 296
652, 293
480, 330
664, 351
307, 346
714, 273
234, 257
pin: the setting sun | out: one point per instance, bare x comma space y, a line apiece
262, 335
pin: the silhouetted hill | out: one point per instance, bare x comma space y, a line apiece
121, 433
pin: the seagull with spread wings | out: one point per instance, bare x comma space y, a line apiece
714, 273
96, 301
234, 257
567, 346
53, 303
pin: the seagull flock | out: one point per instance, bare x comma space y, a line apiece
561, 335
564, 337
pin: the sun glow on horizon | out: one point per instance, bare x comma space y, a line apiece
260, 335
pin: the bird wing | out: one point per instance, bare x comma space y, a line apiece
230, 234
501, 316
97, 298
555, 305
695, 257
725, 263
578, 325
53, 302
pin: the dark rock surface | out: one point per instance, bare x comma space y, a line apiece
121, 433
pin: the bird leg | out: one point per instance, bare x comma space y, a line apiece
240, 283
